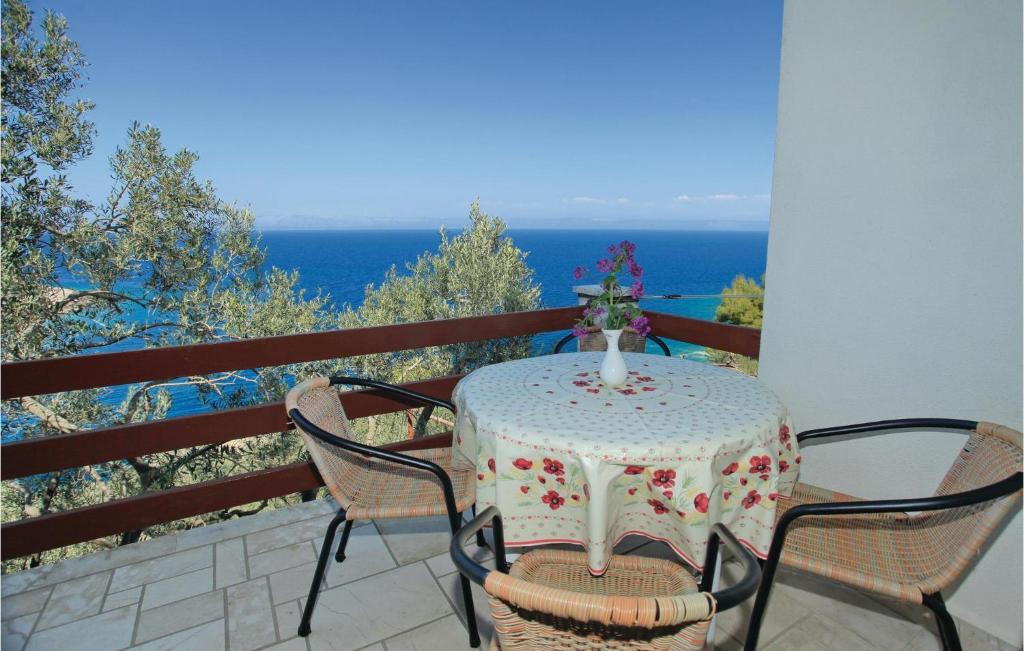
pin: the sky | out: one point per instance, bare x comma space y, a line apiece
399, 114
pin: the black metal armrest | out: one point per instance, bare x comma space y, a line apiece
881, 425
747, 585
469, 567
403, 392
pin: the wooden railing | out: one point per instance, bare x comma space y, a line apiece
52, 453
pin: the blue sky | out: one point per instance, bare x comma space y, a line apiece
559, 114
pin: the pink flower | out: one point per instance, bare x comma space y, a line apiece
627, 247
579, 330
635, 270
641, 323
604, 265
578, 272
636, 290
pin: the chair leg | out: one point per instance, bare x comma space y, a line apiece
947, 628
318, 576
480, 540
467, 594
768, 567
340, 556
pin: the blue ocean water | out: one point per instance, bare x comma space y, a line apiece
342, 263
675, 262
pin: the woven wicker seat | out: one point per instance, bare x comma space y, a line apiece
878, 547
374, 483
549, 599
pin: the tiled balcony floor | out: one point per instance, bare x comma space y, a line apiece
240, 585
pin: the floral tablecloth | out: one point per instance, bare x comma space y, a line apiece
679, 446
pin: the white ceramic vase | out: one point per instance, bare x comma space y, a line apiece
613, 366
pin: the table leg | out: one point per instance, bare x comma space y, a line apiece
715, 580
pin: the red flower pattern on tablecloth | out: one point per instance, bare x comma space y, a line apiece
524, 489
658, 506
783, 466
760, 465
553, 499
664, 478
701, 503
491, 465
731, 468
784, 434
522, 464
751, 499
633, 470
553, 467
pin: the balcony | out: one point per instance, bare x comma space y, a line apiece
241, 584
244, 582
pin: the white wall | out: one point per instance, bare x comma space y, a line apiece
894, 275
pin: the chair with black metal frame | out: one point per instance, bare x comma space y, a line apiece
874, 545
375, 483
548, 599
653, 337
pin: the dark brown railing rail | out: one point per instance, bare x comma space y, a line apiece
47, 454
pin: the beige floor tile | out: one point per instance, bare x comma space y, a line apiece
14, 631
446, 633
231, 565
416, 539
268, 539
451, 585
158, 569
442, 564
294, 644
291, 584
849, 608
19, 605
208, 637
109, 631
179, 616
124, 598
365, 554
73, 568
250, 616
281, 559
177, 588
76, 599
288, 617
815, 633
360, 613
783, 611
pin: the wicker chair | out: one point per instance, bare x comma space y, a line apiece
373, 483
876, 546
549, 599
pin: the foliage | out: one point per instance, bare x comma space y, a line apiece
744, 311
611, 309
478, 272
162, 261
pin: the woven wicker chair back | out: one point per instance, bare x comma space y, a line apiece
953, 538
320, 404
549, 600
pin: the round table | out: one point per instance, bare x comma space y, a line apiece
681, 445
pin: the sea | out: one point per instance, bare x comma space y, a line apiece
342, 263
